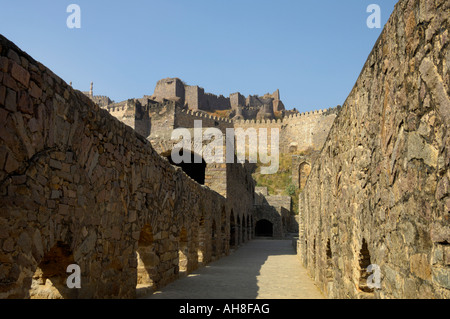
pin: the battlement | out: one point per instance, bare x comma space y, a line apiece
286, 120
202, 115
195, 97
290, 118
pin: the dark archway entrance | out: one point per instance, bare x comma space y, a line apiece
232, 231
195, 168
264, 228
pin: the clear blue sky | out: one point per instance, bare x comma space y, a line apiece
313, 51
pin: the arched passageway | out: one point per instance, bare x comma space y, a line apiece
147, 262
49, 279
303, 174
183, 252
264, 228
232, 231
194, 168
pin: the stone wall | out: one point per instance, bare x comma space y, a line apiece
276, 210
187, 118
194, 97
170, 89
305, 131
379, 192
162, 121
78, 186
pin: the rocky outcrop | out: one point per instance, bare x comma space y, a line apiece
379, 191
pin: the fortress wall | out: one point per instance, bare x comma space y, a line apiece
239, 182
211, 102
306, 130
378, 193
78, 186
309, 131
170, 89
236, 100
186, 118
117, 110
101, 100
162, 121
192, 97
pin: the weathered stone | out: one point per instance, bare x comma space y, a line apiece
11, 100
441, 276
420, 266
405, 175
2, 95
11, 163
24, 103
35, 91
20, 74
8, 245
24, 242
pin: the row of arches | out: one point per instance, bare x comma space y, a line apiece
194, 249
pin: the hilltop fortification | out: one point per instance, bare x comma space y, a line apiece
194, 98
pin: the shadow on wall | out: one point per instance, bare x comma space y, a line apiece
233, 277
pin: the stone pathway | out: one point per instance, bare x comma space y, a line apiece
260, 269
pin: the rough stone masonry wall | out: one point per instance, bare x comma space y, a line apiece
379, 192
306, 131
78, 186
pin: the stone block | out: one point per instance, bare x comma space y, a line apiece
35, 91
11, 100
9, 82
55, 164
20, 74
420, 266
441, 276
446, 255
24, 103
4, 64
11, 163
2, 95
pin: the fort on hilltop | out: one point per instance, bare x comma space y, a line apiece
88, 181
236, 106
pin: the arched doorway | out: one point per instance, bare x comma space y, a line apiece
244, 229
195, 168
147, 262
49, 279
213, 240
232, 231
239, 231
249, 228
183, 253
264, 228
303, 173
201, 250
223, 233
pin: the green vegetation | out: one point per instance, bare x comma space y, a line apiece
281, 182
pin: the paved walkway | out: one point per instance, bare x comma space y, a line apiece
260, 269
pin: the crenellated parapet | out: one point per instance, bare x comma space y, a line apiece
203, 115
292, 118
